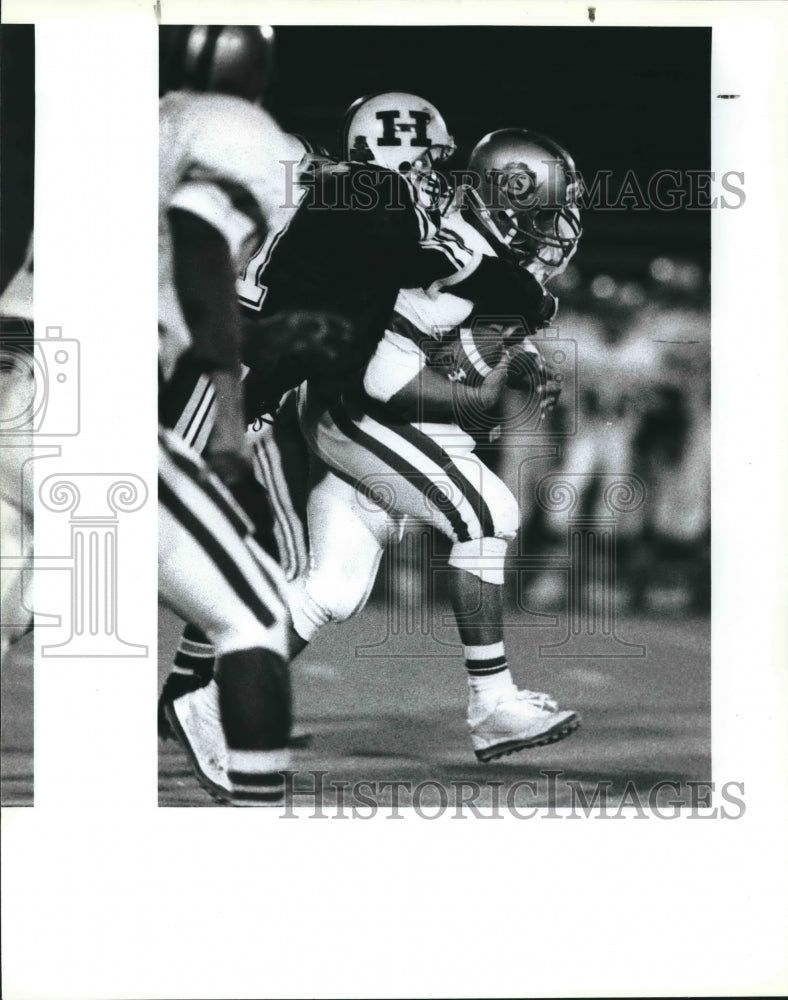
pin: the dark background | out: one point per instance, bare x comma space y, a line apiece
618, 99
17, 136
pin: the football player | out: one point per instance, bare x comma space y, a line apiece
17, 391
480, 275
362, 231
404, 428
222, 183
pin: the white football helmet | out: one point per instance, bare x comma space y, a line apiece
402, 132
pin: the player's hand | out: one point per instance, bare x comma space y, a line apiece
492, 387
549, 390
528, 372
227, 453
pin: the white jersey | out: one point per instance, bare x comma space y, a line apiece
17, 298
227, 161
426, 313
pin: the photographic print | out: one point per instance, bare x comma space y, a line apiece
415, 464
474, 325
23, 391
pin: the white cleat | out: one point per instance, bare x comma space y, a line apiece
196, 722
520, 721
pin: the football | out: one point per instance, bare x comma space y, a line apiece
470, 353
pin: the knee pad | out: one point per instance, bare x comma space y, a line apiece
320, 598
307, 615
504, 509
483, 557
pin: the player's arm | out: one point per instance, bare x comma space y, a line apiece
438, 259
433, 398
399, 377
205, 282
498, 287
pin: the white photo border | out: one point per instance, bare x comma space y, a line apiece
108, 895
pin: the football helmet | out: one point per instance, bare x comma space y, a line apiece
402, 132
229, 59
524, 190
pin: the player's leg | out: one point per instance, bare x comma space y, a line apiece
347, 535
186, 405
16, 538
17, 398
469, 504
235, 729
276, 503
281, 461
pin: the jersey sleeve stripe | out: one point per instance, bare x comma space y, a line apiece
472, 353
465, 271
212, 204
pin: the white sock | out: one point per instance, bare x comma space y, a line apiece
484, 687
250, 762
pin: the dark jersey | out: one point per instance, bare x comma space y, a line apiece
355, 240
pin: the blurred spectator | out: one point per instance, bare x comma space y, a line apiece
643, 402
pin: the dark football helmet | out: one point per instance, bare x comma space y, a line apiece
224, 59
524, 190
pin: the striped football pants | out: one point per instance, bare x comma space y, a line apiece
281, 466
427, 471
211, 571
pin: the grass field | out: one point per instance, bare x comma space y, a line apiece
396, 718
16, 716
390, 718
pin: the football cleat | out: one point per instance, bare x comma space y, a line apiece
196, 723
518, 722
195, 720
175, 686
178, 685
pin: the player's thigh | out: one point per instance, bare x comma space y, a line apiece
210, 571
186, 405
347, 534
281, 466
411, 472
